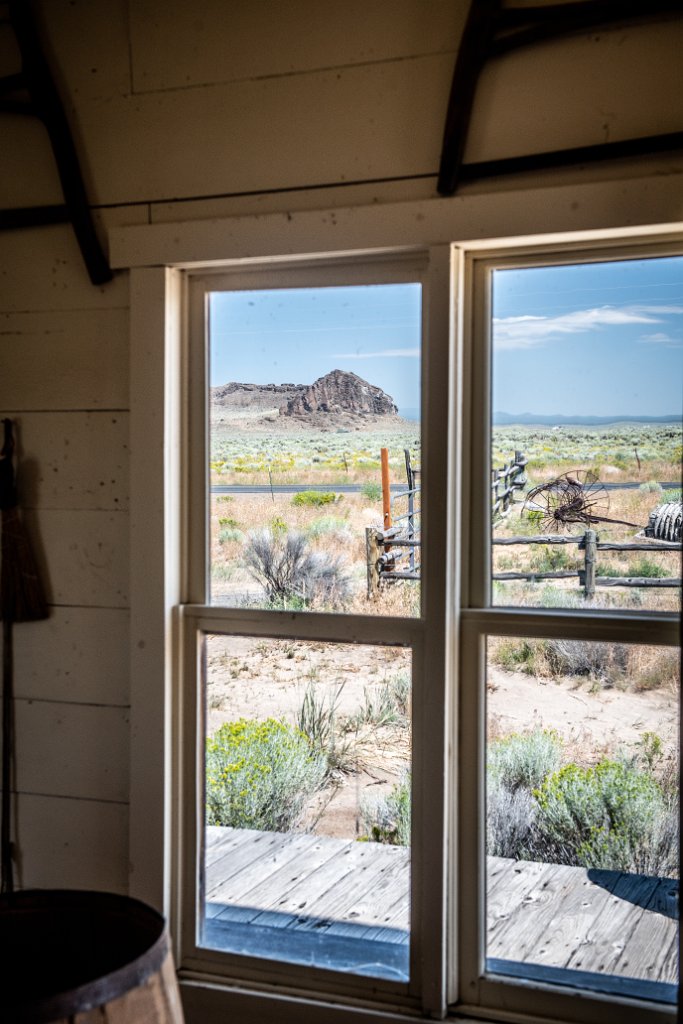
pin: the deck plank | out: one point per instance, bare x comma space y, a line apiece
565, 922
541, 917
612, 928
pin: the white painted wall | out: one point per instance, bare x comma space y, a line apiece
184, 111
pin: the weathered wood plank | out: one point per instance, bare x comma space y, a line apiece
327, 128
194, 49
645, 954
83, 556
613, 926
75, 750
73, 460
515, 921
219, 842
356, 896
570, 918
541, 917
280, 908
42, 269
64, 360
249, 866
75, 844
78, 654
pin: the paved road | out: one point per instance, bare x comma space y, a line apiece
356, 488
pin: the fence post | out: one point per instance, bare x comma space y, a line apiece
590, 553
386, 489
372, 552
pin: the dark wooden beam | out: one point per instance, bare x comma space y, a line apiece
530, 25
47, 105
33, 217
670, 142
491, 31
476, 39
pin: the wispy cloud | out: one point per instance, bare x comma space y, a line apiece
533, 331
403, 353
660, 338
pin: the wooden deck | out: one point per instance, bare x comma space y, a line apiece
333, 902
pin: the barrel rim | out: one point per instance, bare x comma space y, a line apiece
104, 988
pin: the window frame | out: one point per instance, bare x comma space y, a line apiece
424, 635
480, 618
159, 258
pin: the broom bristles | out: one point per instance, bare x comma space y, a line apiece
22, 596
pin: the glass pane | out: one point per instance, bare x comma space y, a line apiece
315, 448
307, 839
587, 435
582, 814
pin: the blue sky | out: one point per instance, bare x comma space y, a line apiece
601, 339
298, 335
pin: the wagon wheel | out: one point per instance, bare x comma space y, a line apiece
575, 497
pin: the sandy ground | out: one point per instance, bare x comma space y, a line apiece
258, 678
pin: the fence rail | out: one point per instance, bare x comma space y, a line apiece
590, 544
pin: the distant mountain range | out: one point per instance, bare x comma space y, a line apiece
502, 419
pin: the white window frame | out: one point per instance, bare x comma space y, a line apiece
481, 618
160, 258
424, 635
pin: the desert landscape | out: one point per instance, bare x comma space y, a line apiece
313, 451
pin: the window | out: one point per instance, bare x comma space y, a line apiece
496, 624
577, 392
309, 661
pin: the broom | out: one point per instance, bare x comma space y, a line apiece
22, 599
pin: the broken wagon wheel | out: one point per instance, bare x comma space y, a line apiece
574, 497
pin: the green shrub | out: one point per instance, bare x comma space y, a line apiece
291, 573
651, 487
509, 819
387, 818
371, 491
329, 525
606, 816
229, 533
315, 499
597, 659
260, 775
228, 521
524, 760
648, 569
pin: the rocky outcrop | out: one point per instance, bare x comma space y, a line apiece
237, 395
339, 393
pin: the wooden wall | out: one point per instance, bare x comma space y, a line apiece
190, 110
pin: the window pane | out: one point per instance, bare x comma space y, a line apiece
582, 814
307, 840
315, 448
587, 407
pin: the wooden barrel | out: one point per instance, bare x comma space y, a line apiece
72, 957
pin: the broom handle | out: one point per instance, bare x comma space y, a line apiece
7, 880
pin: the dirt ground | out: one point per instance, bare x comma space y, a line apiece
259, 678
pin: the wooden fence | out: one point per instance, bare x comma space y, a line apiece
590, 544
504, 482
393, 553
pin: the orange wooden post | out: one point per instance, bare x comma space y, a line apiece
386, 489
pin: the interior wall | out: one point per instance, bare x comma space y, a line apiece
200, 110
